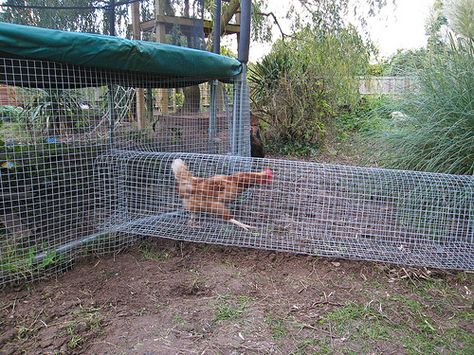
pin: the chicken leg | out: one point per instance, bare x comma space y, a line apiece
240, 224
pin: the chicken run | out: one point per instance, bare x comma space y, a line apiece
82, 173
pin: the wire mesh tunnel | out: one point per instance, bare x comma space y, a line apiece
394, 216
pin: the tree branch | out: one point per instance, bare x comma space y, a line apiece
271, 14
227, 14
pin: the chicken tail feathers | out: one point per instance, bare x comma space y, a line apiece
181, 172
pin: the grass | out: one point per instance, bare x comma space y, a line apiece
350, 312
150, 252
437, 131
22, 261
419, 333
312, 346
177, 319
86, 321
24, 332
277, 326
75, 339
228, 308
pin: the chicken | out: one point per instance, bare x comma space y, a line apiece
256, 142
212, 195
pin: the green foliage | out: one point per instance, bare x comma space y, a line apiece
151, 252
179, 97
460, 16
433, 26
437, 130
53, 112
26, 261
403, 60
81, 20
9, 113
297, 149
332, 15
261, 24
228, 52
361, 118
448, 17
378, 69
305, 82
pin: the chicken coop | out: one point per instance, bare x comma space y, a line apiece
81, 173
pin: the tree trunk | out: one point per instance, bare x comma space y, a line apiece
192, 94
229, 12
192, 99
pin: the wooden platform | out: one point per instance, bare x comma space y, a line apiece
187, 25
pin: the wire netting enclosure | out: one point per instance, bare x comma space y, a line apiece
60, 120
393, 216
82, 171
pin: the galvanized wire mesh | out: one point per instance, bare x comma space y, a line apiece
403, 217
56, 122
83, 171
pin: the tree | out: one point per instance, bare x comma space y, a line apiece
433, 27
88, 17
331, 14
450, 17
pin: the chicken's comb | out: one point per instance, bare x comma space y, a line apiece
269, 172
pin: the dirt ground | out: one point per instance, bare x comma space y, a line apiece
163, 297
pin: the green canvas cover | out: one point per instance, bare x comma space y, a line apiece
142, 59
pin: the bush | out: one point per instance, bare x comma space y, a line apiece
405, 61
361, 118
305, 82
10, 113
436, 129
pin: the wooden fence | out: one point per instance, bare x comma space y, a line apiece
384, 85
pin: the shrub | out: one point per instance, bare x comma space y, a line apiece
10, 113
361, 118
305, 82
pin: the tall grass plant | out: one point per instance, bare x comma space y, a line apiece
435, 130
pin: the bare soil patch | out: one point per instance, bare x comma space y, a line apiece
164, 297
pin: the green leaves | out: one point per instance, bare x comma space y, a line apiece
304, 83
82, 20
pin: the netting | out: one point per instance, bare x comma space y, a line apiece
56, 122
393, 216
82, 171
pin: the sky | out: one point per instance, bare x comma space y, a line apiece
396, 27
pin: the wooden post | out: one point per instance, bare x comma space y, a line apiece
160, 33
140, 93
173, 99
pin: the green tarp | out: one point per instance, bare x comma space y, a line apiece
139, 58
